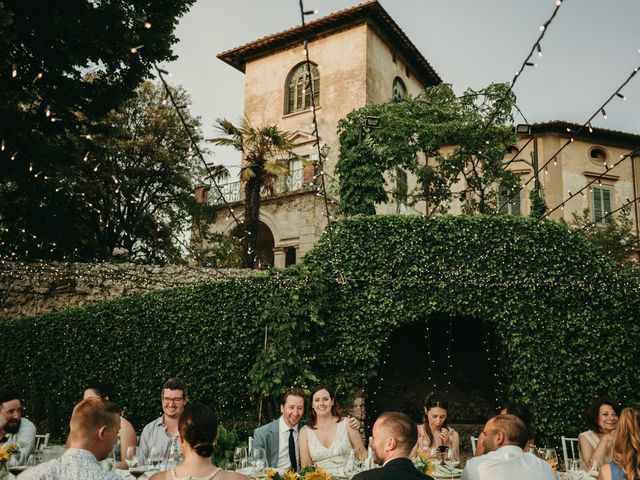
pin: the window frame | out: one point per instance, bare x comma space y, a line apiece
295, 86
603, 211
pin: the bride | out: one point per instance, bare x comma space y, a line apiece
326, 440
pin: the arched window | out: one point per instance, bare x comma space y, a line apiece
399, 90
298, 91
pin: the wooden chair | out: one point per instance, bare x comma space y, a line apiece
569, 443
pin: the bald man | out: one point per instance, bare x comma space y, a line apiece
94, 430
394, 436
504, 437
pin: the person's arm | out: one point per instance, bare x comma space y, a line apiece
454, 440
357, 444
127, 439
590, 454
605, 473
26, 440
143, 448
303, 445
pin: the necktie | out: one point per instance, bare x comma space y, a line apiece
292, 451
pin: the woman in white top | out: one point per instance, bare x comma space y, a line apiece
326, 440
596, 444
197, 431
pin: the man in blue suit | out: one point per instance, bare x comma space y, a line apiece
280, 437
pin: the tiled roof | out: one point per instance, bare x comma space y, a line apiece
598, 135
370, 12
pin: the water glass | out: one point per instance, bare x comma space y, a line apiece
573, 467
240, 454
130, 457
258, 459
154, 458
453, 458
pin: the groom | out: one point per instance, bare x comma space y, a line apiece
280, 437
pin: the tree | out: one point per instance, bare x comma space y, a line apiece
614, 239
265, 153
136, 185
462, 137
68, 64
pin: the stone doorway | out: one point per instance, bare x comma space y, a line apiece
408, 375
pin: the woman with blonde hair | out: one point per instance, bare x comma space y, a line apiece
626, 449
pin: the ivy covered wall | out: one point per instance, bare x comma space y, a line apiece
561, 323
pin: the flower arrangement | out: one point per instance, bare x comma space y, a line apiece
311, 472
8, 451
424, 462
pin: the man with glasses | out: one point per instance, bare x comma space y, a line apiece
160, 432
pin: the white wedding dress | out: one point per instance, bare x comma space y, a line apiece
332, 459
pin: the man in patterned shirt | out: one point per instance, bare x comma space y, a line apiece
94, 430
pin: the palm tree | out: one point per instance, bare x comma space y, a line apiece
265, 155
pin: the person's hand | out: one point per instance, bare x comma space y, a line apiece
354, 423
609, 438
445, 436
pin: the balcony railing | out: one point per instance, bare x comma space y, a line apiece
233, 191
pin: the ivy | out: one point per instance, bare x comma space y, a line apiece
561, 320
460, 137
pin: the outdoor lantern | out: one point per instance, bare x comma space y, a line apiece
523, 129
324, 150
372, 122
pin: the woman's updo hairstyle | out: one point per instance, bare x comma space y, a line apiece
198, 426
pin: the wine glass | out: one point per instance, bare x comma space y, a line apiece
130, 456
32, 461
574, 469
350, 467
239, 454
441, 454
551, 458
595, 467
155, 457
453, 458
258, 459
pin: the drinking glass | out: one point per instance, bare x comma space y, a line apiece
551, 458
155, 457
441, 453
258, 459
32, 461
574, 469
350, 467
239, 454
453, 458
130, 457
595, 466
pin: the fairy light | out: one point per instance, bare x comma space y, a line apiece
604, 113
13, 157
135, 49
14, 71
147, 25
539, 49
2, 146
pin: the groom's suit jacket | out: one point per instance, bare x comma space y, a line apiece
268, 437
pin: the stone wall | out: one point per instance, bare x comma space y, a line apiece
33, 288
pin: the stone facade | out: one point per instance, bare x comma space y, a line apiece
34, 288
360, 52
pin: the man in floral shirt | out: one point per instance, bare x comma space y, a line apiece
94, 430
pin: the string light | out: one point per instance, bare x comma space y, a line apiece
14, 71
134, 50
539, 49
604, 114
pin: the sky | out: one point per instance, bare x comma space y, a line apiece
589, 50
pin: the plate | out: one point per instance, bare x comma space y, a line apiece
137, 469
17, 468
443, 473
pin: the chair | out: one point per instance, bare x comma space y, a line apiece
474, 442
573, 445
41, 442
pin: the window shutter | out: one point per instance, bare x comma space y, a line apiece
597, 205
606, 205
515, 204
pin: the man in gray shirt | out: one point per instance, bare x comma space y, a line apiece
160, 432
14, 428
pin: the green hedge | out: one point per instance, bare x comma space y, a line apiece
561, 320
210, 335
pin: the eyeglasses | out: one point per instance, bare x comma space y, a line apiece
175, 401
